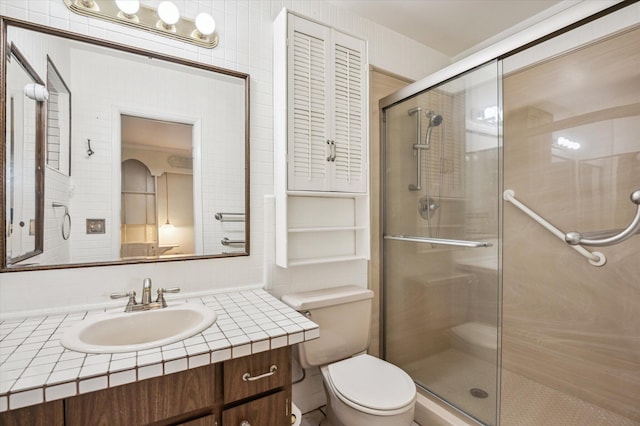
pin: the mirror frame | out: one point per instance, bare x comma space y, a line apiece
5, 22
39, 160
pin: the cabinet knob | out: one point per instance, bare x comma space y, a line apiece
245, 423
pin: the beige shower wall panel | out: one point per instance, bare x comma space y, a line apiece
567, 324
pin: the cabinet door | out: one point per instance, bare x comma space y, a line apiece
349, 120
47, 414
308, 97
153, 400
272, 410
209, 420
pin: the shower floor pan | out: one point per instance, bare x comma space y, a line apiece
452, 373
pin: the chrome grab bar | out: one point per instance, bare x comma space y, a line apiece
575, 238
596, 258
229, 217
226, 241
440, 241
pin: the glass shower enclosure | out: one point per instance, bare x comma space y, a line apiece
441, 232
491, 302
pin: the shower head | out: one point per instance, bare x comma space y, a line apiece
434, 121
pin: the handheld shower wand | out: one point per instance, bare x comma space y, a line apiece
434, 121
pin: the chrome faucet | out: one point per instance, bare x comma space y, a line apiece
146, 303
146, 291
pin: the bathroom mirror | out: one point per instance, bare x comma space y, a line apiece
23, 159
142, 157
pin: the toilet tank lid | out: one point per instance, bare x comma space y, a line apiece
307, 300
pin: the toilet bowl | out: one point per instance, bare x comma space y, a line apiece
367, 391
361, 390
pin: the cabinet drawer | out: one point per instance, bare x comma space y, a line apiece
255, 374
272, 410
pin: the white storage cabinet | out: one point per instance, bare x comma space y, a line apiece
320, 131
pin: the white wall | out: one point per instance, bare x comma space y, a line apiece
245, 29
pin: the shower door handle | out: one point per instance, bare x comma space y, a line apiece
440, 241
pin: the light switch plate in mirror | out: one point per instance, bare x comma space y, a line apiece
95, 226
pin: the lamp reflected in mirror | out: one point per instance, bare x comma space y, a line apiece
167, 224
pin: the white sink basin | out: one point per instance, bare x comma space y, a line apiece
135, 331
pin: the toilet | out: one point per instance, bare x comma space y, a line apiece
361, 390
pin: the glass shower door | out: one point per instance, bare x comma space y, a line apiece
441, 198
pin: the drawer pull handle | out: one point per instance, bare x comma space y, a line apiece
247, 376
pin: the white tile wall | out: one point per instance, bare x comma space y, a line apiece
245, 29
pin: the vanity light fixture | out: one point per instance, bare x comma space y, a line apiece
166, 20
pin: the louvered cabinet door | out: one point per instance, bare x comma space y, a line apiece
308, 99
349, 131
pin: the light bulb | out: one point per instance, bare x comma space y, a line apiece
205, 24
168, 13
128, 7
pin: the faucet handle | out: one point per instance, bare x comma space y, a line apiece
129, 294
132, 299
162, 291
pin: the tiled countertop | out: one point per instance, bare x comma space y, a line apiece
35, 367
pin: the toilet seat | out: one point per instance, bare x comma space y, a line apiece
372, 385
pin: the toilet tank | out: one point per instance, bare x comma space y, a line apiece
344, 316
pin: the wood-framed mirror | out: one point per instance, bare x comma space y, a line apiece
184, 124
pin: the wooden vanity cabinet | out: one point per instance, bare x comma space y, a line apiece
245, 389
